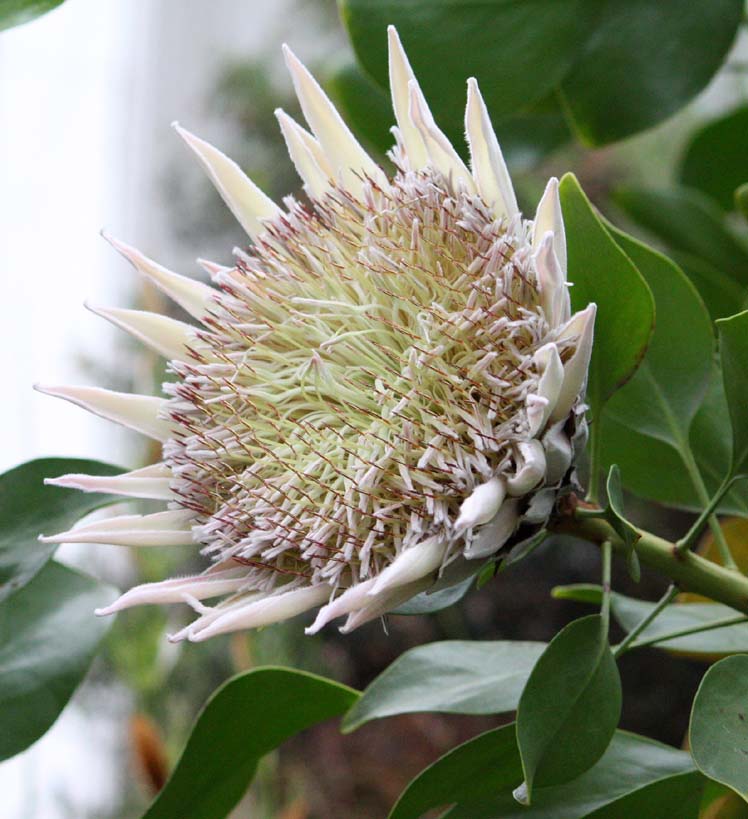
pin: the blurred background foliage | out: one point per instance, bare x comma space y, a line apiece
647, 102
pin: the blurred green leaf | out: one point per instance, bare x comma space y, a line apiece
247, 717
16, 12
690, 222
366, 107
658, 405
718, 732
454, 676
733, 351
722, 295
570, 707
635, 778
48, 637
629, 612
28, 508
518, 52
644, 61
602, 273
716, 159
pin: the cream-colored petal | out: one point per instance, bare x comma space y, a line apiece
245, 200
199, 587
401, 74
213, 268
344, 154
152, 482
171, 528
166, 336
490, 538
554, 294
540, 405
550, 217
306, 155
582, 326
411, 564
530, 468
385, 602
351, 599
193, 296
256, 614
489, 168
558, 453
481, 505
441, 153
143, 413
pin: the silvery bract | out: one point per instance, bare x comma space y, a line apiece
385, 387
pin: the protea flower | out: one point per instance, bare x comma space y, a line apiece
384, 389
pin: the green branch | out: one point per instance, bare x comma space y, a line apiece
687, 570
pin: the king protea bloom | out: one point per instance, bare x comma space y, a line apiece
384, 389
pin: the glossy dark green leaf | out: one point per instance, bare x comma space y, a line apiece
48, 637
644, 61
603, 273
716, 158
570, 707
629, 612
16, 12
519, 52
247, 717
476, 778
454, 676
733, 352
719, 724
28, 508
691, 223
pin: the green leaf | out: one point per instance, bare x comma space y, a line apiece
429, 602
689, 223
247, 717
716, 159
570, 707
454, 676
28, 508
645, 61
733, 351
476, 778
722, 295
719, 724
519, 52
48, 637
617, 519
16, 12
629, 612
603, 273
365, 105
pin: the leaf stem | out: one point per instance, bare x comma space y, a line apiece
607, 550
685, 632
662, 604
719, 536
687, 570
693, 533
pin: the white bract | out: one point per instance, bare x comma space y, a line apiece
386, 386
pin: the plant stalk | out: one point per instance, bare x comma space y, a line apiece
687, 570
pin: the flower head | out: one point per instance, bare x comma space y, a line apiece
381, 391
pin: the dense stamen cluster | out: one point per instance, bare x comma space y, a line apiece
368, 366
